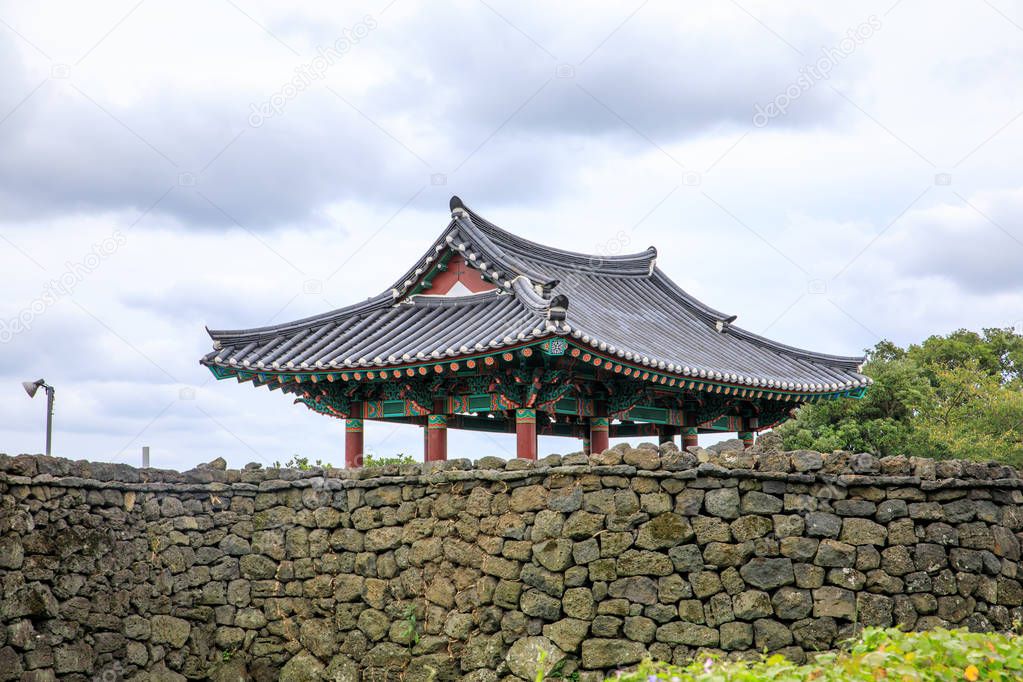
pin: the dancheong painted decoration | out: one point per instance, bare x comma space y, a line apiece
492, 332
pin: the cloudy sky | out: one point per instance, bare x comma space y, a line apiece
834, 173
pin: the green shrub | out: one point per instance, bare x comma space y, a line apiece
302, 463
879, 654
399, 459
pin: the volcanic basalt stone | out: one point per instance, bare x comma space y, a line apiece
554, 555
749, 527
723, 503
690, 634
686, 559
639, 629
849, 578
832, 553
638, 562
771, 635
929, 558
823, 525
766, 573
722, 554
664, 530
170, 630
736, 636
890, 510
567, 633
834, 602
806, 460
637, 589
578, 603
756, 502
799, 549
673, 587
856, 531
791, 603
816, 634
788, 525
533, 657
751, 605
705, 583
603, 653
689, 502
708, 529
691, 611
606, 626
874, 609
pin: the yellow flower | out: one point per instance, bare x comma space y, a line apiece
971, 673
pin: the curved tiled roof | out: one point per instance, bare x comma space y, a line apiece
623, 306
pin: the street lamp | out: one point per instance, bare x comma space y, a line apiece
31, 387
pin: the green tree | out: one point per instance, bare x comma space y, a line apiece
959, 395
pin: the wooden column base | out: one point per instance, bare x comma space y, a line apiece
690, 437
747, 439
436, 438
599, 436
353, 443
525, 433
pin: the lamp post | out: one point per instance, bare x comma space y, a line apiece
31, 387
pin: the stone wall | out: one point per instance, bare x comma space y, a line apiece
470, 570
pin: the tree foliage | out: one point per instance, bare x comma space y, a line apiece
955, 396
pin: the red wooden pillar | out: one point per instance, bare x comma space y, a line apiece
689, 437
746, 435
353, 442
599, 435
525, 433
436, 438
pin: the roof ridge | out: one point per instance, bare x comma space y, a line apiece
640, 260
447, 299
506, 261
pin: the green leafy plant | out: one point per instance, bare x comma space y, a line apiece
878, 654
303, 464
410, 625
539, 665
400, 459
558, 672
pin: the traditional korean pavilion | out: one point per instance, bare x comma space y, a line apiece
491, 332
